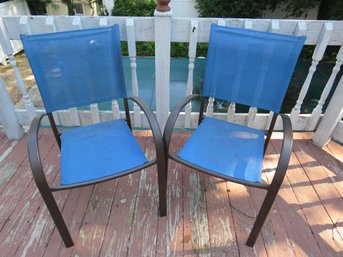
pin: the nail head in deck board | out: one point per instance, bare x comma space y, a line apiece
275, 237
120, 222
325, 191
6, 147
21, 178
336, 151
220, 221
119, 226
72, 217
315, 215
25, 212
144, 233
290, 212
196, 236
91, 234
170, 228
15, 158
244, 215
41, 229
17, 185
293, 215
79, 212
198, 213
333, 170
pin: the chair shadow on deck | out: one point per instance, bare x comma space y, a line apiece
302, 221
206, 216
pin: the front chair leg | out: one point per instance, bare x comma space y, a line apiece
57, 217
162, 187
261, 217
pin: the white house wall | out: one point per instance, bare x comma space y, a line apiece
183, 8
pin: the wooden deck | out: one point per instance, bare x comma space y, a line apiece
206, 216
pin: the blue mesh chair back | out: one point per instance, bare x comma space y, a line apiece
76, 68
250, 67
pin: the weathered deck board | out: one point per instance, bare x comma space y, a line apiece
220, 220
206, 216
314, 212
170, 234
289, 211
26, 211
120, 224
326, 191
73, 213
144, 231
18, 183
197, 239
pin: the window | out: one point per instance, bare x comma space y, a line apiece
78, 9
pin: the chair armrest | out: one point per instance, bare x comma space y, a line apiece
173, 117
156, 131
34, 155
285, 155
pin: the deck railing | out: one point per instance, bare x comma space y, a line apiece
164, 29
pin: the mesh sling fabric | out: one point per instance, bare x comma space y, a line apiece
250, 67
247, 67
76, 68
82, 67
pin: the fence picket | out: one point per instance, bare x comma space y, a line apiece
252, 110
8, 50
319, 33
313, 120
131, 42
316, 58
193, 39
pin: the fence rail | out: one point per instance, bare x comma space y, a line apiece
164, 29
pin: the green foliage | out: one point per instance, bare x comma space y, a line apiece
294, 8
142, 48
134, 8
37, 7
232, 8
327, 9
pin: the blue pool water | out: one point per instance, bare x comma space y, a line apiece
179, 75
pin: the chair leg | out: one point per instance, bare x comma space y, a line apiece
162, 186
57, 217
261, 217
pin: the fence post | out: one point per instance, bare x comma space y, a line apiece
332, 115
162, 60
8, 118
8, 50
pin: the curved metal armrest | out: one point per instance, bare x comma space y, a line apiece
286, 150
156, 131
34, 155
173, 117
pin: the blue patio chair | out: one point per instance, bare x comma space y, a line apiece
73, 69
251, 68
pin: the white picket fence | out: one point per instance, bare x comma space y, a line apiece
11, 8
164, 29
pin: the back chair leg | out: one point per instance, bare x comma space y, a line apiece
57, 217
261, 217
162, 187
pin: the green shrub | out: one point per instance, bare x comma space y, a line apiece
232, 8
134, 8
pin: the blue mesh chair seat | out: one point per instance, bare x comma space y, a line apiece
98, 151
73, 69
228, 149
247, 67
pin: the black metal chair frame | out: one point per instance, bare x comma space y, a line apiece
46, 190
272, 188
